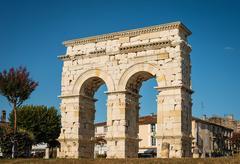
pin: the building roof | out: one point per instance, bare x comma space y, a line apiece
100, 124
208, 122
150, 119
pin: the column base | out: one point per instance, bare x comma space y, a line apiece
74, 148
120, 147
179, 146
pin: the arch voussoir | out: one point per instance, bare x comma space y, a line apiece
140, 67
90, 74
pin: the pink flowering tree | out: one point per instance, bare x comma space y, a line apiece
16, 86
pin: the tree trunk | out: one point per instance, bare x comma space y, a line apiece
15, 118
14, 130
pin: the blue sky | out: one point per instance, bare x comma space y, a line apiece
32, 32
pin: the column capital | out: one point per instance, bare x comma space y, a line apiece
76, 96
68, 96
187, 89
123, 92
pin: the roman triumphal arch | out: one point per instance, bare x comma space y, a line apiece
122, 61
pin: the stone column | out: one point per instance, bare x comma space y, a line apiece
132, 128
174, 121
69, 136
86, 130
77, 127
122, 123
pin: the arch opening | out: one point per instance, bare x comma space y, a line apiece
88, 108
91, 80
90, 86
141, 84
135, 82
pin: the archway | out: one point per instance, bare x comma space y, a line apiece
78, 113
100, 148
148, 119
133, 87
87, 115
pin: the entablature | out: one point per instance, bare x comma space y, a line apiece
129, 33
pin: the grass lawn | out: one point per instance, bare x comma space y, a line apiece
221, 160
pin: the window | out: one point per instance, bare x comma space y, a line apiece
153, 127
153, 141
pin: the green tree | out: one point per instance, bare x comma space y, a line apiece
16, 86
235, 141
4, 130
23, 140
43, 122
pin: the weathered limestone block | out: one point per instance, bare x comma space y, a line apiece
124, 40
165, 150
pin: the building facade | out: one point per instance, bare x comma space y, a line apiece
146, 136
208, 139
227, 121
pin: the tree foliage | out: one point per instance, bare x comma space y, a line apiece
235, 141
16, 85
4, 129
23, 141
43, 122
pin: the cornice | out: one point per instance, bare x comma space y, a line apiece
121, 50
175, 87
145, 46
128, 33
65, 57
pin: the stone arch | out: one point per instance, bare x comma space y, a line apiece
93, 73
123, 73
85, 87
150, 69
